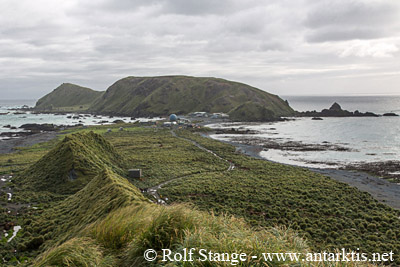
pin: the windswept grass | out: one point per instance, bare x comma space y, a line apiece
134, 229
116, 223
73, 253
105, 193
72, 164
126, 233
177, 228
330, 214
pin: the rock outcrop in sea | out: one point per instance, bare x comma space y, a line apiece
336, 111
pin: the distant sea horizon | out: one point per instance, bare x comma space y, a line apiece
363, 103
295, 100
368, 139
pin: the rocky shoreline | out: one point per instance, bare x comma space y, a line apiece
9, 145
388, 170
366, 177
275, 143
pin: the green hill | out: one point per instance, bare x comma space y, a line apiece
109, 223
67, 96
72, 164
160, 96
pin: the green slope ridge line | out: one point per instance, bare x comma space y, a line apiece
68, 95
72, 164
109, 223
330, 214
163, 95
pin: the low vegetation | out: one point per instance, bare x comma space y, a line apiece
71, 164
161, 96
256, 207
68, 97
329, 213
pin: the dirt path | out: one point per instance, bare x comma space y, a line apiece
153, 191
231, 165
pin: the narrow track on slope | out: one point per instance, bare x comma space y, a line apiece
231, 165
153, 191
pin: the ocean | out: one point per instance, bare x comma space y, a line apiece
14, 119
361, 139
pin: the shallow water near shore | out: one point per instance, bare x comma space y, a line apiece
327, 143
15, 118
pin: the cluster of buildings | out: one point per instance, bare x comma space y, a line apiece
185, 121
202, 114
175, 120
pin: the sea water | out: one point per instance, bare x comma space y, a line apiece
368, 139
16, 120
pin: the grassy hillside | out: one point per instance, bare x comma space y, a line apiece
110, 223
154, 96
330, 214
106, 192
72, 164
68, 97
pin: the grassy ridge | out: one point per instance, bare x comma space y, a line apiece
68, 97
121, 238
71, 164
330, 214
104, 193
109, 222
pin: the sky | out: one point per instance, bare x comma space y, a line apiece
287, 47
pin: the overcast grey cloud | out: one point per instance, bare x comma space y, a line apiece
285, 47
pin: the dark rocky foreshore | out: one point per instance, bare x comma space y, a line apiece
363, 179
382, 190
29, 129
389, 170
8, 146
273, 143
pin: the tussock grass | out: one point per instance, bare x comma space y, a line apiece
73, 253
105, 193
134, 229
115, 224
328, 213
69, 166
